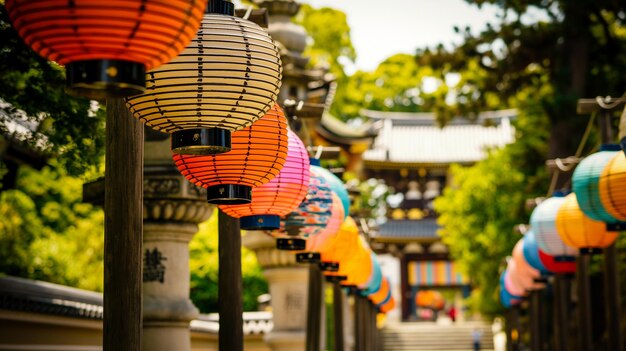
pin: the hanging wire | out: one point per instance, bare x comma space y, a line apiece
561, 166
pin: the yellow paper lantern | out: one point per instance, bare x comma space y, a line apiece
580, 231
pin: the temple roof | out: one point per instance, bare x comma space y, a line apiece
424, 229
415, 138
335, 130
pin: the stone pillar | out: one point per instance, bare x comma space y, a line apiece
173, 207
288, 283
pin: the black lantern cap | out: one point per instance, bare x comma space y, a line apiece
260, 222
221, 7
335, 278
99, 79
329, 266
308, 257
616, 226
290, 244
201, 141
229, 194
590, 251
564, 258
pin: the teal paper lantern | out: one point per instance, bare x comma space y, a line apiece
586, 183
336, 185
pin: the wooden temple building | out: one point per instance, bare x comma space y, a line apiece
412, 155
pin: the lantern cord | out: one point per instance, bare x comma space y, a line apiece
583, 142
320, 150
248, 13
609, 103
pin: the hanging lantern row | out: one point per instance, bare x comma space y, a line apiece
280, 196
207, 74
106, 46
257, 156
584, 221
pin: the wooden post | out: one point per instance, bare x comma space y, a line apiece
230, 284
536, 330
338, 316
123, 226
359, 324
314, 309
508, 327
584, 302
611, 271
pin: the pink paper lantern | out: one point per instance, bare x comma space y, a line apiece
280, 196
528, 275
510, 285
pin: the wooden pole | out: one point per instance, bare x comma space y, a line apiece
123, 226
536, 330
613, 301
338, 314
314, 309
359, 324
230, 284
584, 302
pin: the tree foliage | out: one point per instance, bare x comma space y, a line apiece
541, 69
47, 233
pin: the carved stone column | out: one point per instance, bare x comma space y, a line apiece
288, 282
173, 207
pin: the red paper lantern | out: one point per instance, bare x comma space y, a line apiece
280, 196
560, 265
257, 156
107, 46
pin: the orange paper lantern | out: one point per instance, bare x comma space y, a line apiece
580, 231
319, 240
379, 296
613, 187
342, 247
280, 196
359, 269
388, 306
107, 46
257, 156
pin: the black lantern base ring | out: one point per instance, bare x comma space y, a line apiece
308, 257
290, 244
261, 222
100, 79
335, 278
329, 266
201, 141
229, 194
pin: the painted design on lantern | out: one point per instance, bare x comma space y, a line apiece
314, 212
153, 268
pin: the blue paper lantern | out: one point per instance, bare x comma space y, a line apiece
586, 183
531, 252
543, 222
336, 185
506, 298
